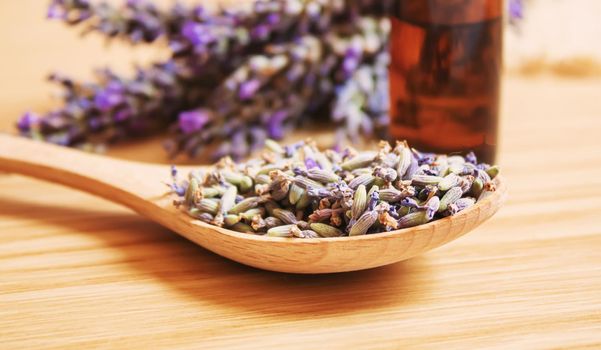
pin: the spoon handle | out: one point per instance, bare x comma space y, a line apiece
125, 182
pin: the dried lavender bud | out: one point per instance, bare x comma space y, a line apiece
461, 204
450, 197
391, 195
427, 192
359, 202
470, 157
364, 223
242, 227
412, 170
403, 211
232, 177
365, 180
270, 222
290, 202
210, 192
449, 181
208, 206
476, 188
323, 176
493, 171
414, 219
251, 213
307, 183
258, 223
262, 179
271, 205
359, 161
323, 162
489, 187
432, 206
281, 231
309, 234
304, 201
422, 180
295, 194
424, 158
285, 215
323, 214
389, 219
231, 220
411, 203
200, 215
482, 176
244, 205
386, 174
466, 183
325, 230
405, 157
279, 189
228, 199
456, 168
191, 191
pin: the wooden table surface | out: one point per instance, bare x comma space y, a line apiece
78, 272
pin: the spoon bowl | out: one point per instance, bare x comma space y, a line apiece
141, 187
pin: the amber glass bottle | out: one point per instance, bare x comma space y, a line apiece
445, 75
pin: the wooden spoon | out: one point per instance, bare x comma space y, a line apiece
141, 187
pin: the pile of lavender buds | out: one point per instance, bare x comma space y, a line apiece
234, 77
299, 191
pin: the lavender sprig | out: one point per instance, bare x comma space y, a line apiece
136, 20
199, 29
271, 93
113, 108
208, 50
257, 101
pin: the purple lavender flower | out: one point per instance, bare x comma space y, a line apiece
411, 203
248, 89
471, 158
432, 207
352, 59
373, 200
122, 115
275, 127
318, 192
310, 163
424, 158
177, 187
72, 11
110, 97
27, 120
291, 149
55, 11
261, 32
197, 33
193, 121
516, 10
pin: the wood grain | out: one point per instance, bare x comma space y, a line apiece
78, 272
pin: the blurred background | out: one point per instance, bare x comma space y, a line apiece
548, 41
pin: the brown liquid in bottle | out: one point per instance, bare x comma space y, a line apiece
444, 75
